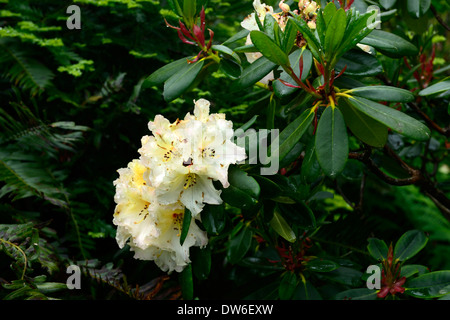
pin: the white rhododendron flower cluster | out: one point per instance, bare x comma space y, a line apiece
176, 169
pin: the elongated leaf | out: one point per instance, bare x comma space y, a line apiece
335, 33
390, 44
201, 262
357, 294
224, 49
213, 219
187, 283
310, 170
429, 285
164, 73
243, 191
359, 63
377, 249
239, 245
178, 83
289, 137
332, 142
288, 284
394, 119
279, 224
321, 265
365, 128
387, 4
383, 93
269, 48
409, 244
187, 218
417, 8
253, 73
436, 88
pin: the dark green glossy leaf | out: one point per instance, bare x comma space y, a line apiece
321, 265
390, 44
288, 284
409, 244
178, 83
164, 73
331, 142
187, 218
436, 88
364, 127
383, 93
253, 73
417, 8
269, 48
187, 283
289, 137
239, 244
357, 294
392, 118
310, 170
429, 285
335, 33
201, 262
213, 218
358, 63
243, 191
387, 4
225, 50
313, 43
377, 249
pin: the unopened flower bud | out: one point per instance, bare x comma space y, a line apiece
312, 24
284, 7
311, 8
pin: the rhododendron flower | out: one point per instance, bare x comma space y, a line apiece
188, 155
150, 229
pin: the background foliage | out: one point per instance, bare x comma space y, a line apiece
73, 110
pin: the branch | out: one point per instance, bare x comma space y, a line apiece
434, 125
439, 19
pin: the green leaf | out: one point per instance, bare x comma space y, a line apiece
429, 285
189, 10
290, 135
390, 44
377, 249
411, 269
364, 127
357, 294
201, 262
164, 73
392, 118
436, 88
321, 265
417, 8
213, 218
243, 190
239, 245
335, 34
282, 227
187, 283
187, 218
310, 170
290, 35
253, 73
288, 284
178, 83
175, 6
387, 4
230, 68
409, 244
225, 50
359, 63
331, 142
383, 93
269, 48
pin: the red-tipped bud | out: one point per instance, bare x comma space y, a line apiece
202, 19
181, 36
185, 31
198, 33
211, 36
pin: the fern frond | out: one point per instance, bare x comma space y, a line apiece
23, 70
24, 175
